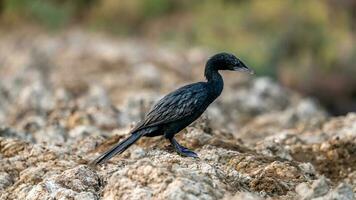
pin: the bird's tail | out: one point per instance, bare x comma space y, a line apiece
118, 148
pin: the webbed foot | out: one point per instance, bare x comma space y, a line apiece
181, 150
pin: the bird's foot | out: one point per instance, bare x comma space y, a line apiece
186, 152
181, 150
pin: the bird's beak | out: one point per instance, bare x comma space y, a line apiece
243, 68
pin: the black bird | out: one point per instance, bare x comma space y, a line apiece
181, 107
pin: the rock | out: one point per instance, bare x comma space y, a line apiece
319, 188
66, 99
96, 96
265, 95
11, 133
134, 108
147, 75
272, 148
36, 97
51, 134
5, 180
244, 196
104, 118
138, 153
308, 170
306, 111
84, 131
341, 192
153, 180
341, 127
80, 178
76, 183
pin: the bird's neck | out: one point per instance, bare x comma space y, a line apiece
215, 81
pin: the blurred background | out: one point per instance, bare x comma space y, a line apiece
308, 46
76, 75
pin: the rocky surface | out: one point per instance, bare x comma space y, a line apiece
65, 99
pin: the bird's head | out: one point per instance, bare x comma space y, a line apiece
227, 61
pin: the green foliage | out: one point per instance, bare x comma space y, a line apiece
267, 34
155, 8
49, 13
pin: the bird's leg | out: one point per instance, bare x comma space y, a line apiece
182, 150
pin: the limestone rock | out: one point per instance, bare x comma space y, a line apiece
66, 99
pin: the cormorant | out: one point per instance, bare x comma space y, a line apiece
180, 108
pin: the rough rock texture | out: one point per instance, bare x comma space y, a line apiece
67, 98
320, 189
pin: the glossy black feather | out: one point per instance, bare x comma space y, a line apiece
181, 103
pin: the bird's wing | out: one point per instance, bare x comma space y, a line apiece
181, 103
